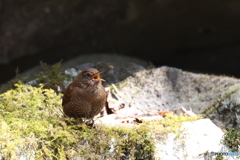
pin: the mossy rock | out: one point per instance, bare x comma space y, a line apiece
32, 126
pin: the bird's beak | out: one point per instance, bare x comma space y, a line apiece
96, 77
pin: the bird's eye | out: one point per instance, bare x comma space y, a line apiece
88, 75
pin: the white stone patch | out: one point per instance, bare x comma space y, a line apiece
195, 139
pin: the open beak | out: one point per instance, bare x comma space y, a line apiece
96, 77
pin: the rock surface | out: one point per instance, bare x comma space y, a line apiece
168, 89
197, 140
147, 92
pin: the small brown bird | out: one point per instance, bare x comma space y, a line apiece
85, 97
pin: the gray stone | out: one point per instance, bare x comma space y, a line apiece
199, 140
168, 89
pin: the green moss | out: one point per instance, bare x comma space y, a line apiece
27, 112
130, 142
232, 139
169, 124
52, 76
219, 157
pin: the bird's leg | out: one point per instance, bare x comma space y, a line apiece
80, 120
90, 122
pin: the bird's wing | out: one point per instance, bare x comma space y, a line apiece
77, 109
73, 103
72, 93
68, 94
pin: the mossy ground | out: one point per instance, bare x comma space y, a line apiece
32, 125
